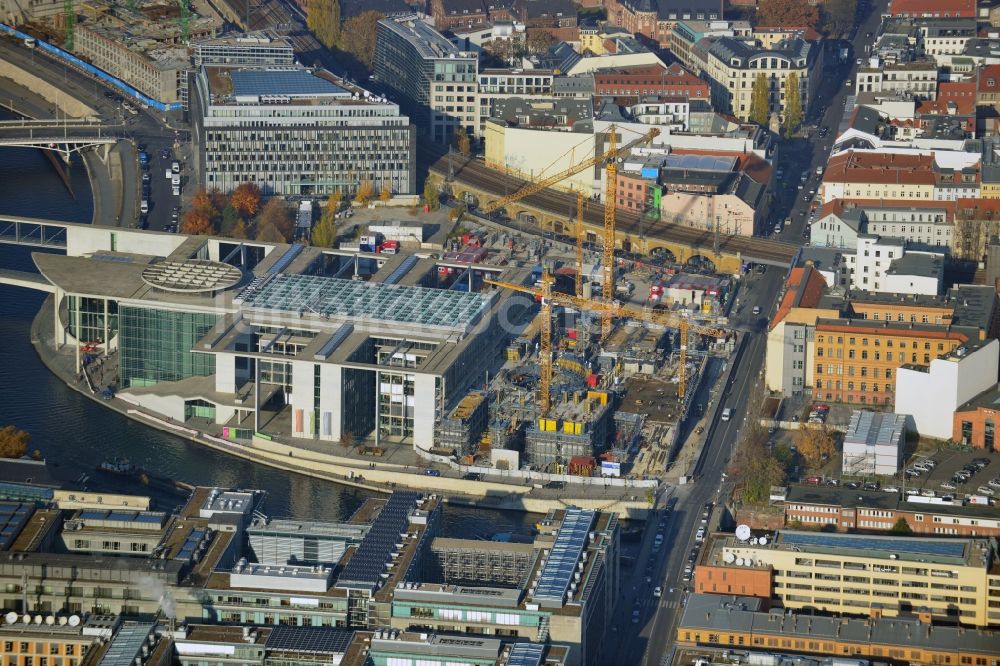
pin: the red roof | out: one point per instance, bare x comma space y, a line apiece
848, 202
962, 93
936, 8
858, 167
805, 280
989, 79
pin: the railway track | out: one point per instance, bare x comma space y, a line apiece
557, 203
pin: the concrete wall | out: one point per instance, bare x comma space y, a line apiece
62, 100
83, 239
932, 397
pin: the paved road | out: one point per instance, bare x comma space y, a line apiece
659, 617
145, 128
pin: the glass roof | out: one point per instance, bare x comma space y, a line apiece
335, 297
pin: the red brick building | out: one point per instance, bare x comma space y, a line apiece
847, 510
654, 19
975, 423
674, 81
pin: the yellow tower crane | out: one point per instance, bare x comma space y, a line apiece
605, 309
579, 244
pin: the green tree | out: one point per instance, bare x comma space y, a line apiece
324, 234
323, 19
13, 442
332, 207
230, 218
357, 37
793, 104
431, 196
760, 100
755, 470
901, 527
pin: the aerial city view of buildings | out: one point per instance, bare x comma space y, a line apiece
705, 292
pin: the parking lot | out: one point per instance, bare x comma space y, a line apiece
949, 462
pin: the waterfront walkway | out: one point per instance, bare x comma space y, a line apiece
316, 460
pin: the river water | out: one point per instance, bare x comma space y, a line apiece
77, 433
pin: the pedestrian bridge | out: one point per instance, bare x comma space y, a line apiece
26, 280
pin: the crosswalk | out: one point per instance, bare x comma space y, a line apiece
670, 603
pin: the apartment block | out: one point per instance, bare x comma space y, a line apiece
856, 361
435, 81
253, 49
731, 66
874, 175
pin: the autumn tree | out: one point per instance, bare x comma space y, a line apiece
815, 444
756, 471
539, 41
332, 207
365, 192
790, 13
793, 104
202, 202
275, 222
323, 20
324, 234
357, 37
197, 223
504, 50
431, 196
246, 200
462, 143
760, 100
385, 194
240, 230
838, 15
13, 442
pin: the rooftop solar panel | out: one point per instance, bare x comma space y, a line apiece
700, 162
315, 640
564, 555
365, 568
861, 543
12, 523
526, 654
126, 645
290, 82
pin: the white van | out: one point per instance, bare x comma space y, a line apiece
727, 414
175, 167
144, 207
175, 180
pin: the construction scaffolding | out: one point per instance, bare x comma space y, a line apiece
480, 563
578, 425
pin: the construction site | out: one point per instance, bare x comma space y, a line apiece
598, 381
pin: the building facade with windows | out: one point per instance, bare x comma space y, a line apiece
298, 132
732, 66
434, 81
858, 574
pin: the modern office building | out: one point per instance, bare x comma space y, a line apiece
433, 81
567, 596
285, 342
728, 621
873, 444
855, 574
298, 132
253, 49
302, 542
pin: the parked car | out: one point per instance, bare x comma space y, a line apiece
432, 472
986, 490
657, 591
995, 482
948, 485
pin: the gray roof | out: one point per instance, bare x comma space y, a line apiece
677, 8
571, 85
918, 264
722, 614
559, 57
349, 8
545, 8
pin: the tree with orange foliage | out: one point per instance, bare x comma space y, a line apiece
385, 194
201, 201
197, 223
246, 199
793, 13
365, 192
275, 223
